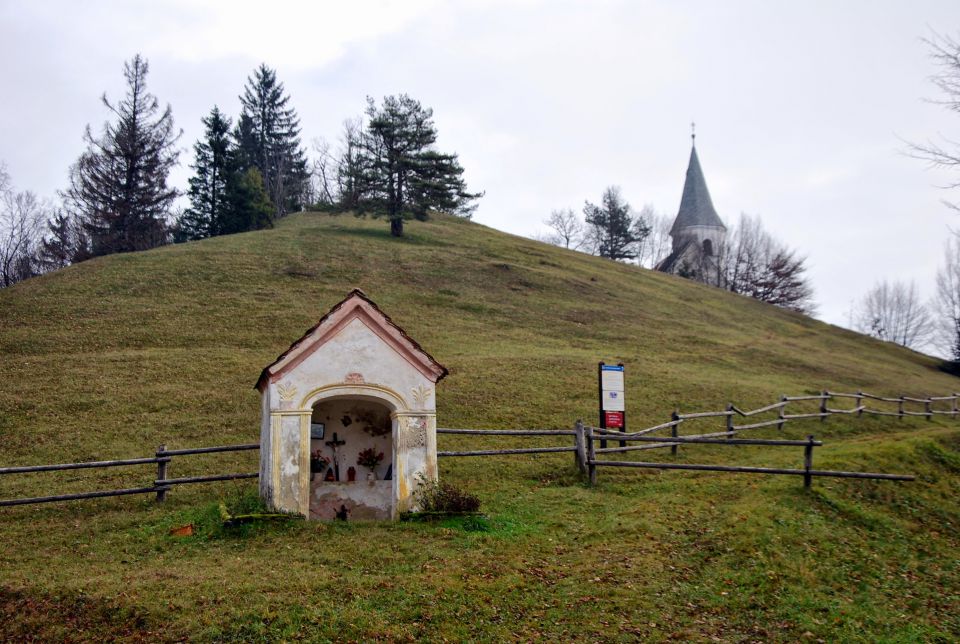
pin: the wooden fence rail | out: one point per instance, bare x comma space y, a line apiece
586, 452
823, 413
590, 461
77, 466
160, 485
584, 448
510, 432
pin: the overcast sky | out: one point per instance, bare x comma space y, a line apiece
801, 107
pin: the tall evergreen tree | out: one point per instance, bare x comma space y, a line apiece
208, 186
65, 243
614, 230
55, 250
249, 207
245, 147
272, 138
118, 187
400, 174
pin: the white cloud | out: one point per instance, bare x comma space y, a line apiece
291, 35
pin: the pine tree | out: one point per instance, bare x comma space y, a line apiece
208, 186
270, 137
245, 148
118, 187
55, 250
615, 232
64, 245
249, 206
438, 185
399, 173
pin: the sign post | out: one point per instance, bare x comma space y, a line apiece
613, 411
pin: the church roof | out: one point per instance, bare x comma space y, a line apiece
696, 208
669, 263
355, 305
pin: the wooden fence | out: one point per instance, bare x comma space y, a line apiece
576, 432
587, 453
585, 450
585, 438
160, 485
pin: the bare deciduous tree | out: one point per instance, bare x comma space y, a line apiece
753, 263
349, 170
22, 218
323, 185
945, 52
894, 312
566, 229
946, 303
657, 245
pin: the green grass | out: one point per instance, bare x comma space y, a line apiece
112, 357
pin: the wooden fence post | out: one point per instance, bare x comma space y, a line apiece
674, 417
730, 420
591, 457
824, 396
808, 461
161, 474
900, 407
928, 408
954, 408
859, 403
782, 413
580, 455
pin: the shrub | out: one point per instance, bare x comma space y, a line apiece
433, 496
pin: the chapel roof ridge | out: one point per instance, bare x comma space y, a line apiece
266, 373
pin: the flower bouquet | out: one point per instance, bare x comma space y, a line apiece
369, 458
318, 462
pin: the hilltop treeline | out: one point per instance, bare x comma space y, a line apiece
246, 174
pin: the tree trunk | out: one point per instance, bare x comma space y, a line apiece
396, 227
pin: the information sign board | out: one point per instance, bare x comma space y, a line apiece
613, 414
613, 419
611, 388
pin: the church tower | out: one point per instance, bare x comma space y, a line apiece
698, 233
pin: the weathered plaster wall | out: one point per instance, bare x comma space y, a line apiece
416, 455
356, 350
266, 452
358, 422
699, 233
364, 500
288, 492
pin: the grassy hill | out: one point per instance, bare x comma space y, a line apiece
112, 357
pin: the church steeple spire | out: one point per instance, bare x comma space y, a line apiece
698, 233
696, 207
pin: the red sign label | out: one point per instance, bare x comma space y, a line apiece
613, 419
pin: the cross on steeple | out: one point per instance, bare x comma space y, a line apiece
693, 132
